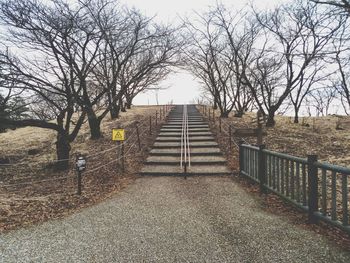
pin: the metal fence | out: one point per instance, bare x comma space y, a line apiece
321, 189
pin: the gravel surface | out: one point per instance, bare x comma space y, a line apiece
169, 219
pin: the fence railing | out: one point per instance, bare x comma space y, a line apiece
321, 189
37, 174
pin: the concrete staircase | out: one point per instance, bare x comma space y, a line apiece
206, 157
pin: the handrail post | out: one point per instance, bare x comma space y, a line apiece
220, 124
262, 169
312, 188
241, 157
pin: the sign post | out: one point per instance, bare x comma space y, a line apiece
118, 135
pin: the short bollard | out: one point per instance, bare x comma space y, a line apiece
80, 165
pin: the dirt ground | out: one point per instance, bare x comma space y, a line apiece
31, 191
313, 135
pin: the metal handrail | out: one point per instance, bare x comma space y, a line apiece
188, 140
185, 140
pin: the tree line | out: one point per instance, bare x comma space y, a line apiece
293, 56
72, 63
63, 64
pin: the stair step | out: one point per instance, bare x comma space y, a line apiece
165, 156
193, 139
176, 126
194, 150
207, 159
178, 134
177, 170
178, 144
190, 130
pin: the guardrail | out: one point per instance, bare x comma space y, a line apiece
185, 142
321, 189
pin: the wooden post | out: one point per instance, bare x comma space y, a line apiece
156, 118
220, 123
259, 136
79, 183
150, 125
118, 152
214, 116
138, 136
230, 136
262, 169
312, 188
241, 157
122, 157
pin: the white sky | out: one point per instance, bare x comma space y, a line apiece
183, 88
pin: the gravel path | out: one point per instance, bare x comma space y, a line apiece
168, 219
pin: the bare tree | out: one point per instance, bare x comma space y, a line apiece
302, 32
241, 32
342, 4
41, 70
213, 57
152, 64
309, 80
265, 79
321, 100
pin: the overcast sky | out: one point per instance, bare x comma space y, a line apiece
182, 87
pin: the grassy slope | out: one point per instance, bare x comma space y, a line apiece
46, 197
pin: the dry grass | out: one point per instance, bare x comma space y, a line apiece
34, 193
313, 135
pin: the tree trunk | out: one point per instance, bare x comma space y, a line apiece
62, 150
296, 113
239, 113
128, 104
122, 106
271, 119
114, 112
296, 117
112, 107
94, 124
224, 114
215, 107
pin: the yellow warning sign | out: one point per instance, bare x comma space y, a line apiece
118, 134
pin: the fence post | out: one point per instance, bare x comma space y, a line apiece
262, 169
150, 125
123, 160
79, 183
214, 116
241, 157
312, 188
230, 136
138, 136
